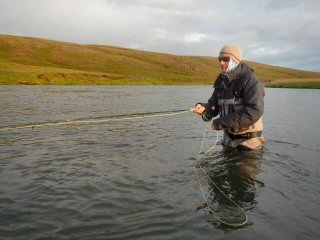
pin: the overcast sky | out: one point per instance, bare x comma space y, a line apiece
277, 32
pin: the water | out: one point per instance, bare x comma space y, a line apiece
135, 179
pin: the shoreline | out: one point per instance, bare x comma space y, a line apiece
277, 84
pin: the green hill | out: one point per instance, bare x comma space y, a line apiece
26, 60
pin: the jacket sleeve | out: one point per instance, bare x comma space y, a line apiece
252, 96
211, 107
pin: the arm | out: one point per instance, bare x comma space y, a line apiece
211, 108
207, 110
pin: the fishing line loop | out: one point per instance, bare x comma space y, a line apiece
197, 164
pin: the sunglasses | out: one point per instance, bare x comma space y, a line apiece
224, 59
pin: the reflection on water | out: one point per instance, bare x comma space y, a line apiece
231, 184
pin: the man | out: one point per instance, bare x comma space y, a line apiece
238, 98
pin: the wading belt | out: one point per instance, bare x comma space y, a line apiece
247, 135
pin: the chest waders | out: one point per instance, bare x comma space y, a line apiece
228, 106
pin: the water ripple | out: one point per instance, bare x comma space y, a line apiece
136, 180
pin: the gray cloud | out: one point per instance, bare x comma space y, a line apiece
282, 33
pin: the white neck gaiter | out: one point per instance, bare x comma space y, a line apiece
232, 65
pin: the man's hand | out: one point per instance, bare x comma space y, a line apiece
215, 128
198, 109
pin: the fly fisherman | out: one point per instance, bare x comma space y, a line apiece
238, 99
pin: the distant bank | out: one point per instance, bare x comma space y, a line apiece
34, 61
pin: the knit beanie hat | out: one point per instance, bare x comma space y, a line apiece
233, 51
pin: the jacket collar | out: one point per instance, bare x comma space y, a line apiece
238, 71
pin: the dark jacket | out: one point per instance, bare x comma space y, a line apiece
239, 83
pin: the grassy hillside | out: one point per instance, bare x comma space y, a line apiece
25, 60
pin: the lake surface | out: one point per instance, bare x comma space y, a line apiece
135, 178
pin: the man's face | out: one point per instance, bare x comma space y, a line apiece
224, 62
